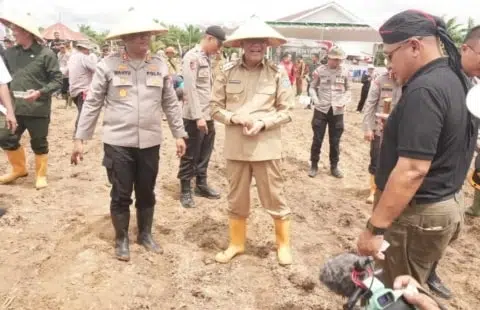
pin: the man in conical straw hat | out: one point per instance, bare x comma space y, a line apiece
36, 75
252, 97
133, 86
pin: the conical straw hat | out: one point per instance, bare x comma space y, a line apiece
24, 21
133, 22
254, 28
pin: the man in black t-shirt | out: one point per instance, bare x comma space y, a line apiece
427, 148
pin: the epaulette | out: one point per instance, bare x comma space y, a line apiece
229, 65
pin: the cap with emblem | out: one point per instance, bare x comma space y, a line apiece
24, 21
134, 22
216, 32
336, 53
254, 28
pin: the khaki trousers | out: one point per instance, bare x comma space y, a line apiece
420, 236
269, 179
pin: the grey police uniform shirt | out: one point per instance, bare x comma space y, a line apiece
197, 77
133, 97
382, 87
330, 89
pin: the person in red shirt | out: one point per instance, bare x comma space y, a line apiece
289, 67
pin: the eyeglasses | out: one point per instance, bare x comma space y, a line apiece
389, 55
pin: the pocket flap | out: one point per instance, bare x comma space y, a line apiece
107, 162
234, 88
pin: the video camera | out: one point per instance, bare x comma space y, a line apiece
353, 277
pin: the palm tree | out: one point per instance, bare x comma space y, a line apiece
455, 30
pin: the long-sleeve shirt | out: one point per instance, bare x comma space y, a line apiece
134, 94
383, 87
35, 68
263, 93
197, 76
80, 73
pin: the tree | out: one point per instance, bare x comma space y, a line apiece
455, 30
98, 37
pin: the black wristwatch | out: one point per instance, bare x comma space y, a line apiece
376, 231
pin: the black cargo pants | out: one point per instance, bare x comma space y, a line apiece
37, 128
199, 150
78, 100
335, 130
129, 169
374, 154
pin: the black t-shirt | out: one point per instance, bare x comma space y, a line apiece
431, 122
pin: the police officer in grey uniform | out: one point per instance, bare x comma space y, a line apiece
133, 87
330, 93
382, 88
197, 74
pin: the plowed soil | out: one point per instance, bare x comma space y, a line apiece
56, 246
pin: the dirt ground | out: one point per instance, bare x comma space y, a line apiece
56, 244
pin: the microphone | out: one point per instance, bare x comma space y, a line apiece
336, 274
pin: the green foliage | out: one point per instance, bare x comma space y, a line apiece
97, 37
458, 31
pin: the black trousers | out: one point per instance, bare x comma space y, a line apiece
363, 98
38, 130
131, 169
335, 130
199, 150
374, 154
65, 86
78, 100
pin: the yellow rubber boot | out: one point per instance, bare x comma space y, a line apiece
373, 188
41, 171
237, 228
18, 162
282, 232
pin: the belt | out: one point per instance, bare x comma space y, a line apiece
430, 201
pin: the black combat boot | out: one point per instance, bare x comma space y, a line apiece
186, 198
436, 285
2, 212
336, 172
144, 223
120, 223
313, 170
203, 190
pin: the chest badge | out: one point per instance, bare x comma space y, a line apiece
123, 92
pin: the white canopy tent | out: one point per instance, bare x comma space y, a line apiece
331, 32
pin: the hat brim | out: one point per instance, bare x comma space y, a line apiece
337, 57
29, 28
118, 35
237, 42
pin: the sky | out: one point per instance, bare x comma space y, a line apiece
102, 14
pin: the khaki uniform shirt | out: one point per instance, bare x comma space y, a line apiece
330, 89
197, 77
133, 97
263, 93
382, 87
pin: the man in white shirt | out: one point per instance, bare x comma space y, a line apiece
80, 72
7, 115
